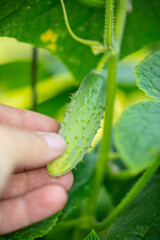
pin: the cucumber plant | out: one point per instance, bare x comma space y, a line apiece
116, 193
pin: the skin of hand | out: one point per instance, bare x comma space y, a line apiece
28, 142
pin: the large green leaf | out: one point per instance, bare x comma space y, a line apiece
137, 134
142, 25
92, 236
148, 75
141, 220
154, 232
33, 231
42, 23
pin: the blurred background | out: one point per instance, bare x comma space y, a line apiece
54, 83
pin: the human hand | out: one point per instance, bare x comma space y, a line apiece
27, 193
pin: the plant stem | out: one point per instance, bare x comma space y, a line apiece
114, 155
34, 79
102, 62
111, 55
110, 40
90, 206
120, 21
110, 96
108, 37
131, 195
106, 140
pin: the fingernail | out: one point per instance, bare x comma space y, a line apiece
54, 141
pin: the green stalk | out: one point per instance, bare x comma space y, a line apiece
108, 37
131, 195
111, 56
110, 97
106, 140
110, 41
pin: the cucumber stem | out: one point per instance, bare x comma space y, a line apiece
109, 103
131, 195
90, 205
106, 139
112, 58
108, 36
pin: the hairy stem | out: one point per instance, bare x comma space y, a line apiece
102, 62
131, 195
106, 139
90, 206
110, 56
108, 37
34, 79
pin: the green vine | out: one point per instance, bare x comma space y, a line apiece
95, 45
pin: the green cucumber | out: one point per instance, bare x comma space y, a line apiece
81, 121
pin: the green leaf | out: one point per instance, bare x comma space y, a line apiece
142, 25
118, 187
33, 231
42, 23
92, 236
147, 74
154, 232
45, 19
104, 204
137, 134
142, 217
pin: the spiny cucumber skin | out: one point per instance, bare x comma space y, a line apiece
81, 121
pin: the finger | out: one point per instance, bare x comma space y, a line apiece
27, 149
32, 207
26, 119
22, 183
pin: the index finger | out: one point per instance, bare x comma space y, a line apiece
26, 119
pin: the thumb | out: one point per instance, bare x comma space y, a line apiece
28, 150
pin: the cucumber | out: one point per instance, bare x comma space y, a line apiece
81, 121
